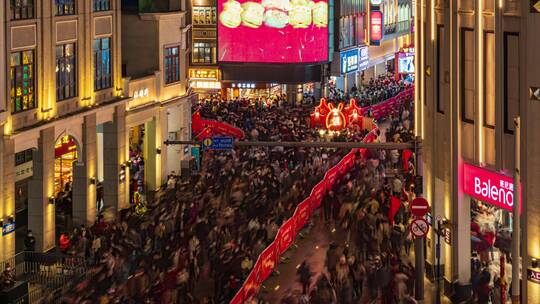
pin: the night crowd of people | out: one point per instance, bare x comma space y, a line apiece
197, 240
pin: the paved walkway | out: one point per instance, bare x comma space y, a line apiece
312, 248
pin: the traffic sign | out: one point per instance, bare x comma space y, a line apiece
218, 143
419, 227
419, 207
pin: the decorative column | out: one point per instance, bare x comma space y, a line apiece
115, 171
84, 192
41, 209
7, 193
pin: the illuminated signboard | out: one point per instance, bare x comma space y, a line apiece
204, 74
8, 228
533, 275
363, 58
349, 61
376, 27
406, 64
488, 186
375, 2
273, 31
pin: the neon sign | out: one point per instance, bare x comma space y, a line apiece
488, 186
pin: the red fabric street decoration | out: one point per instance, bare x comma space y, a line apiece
395, 203
406, 155
268, 259
286, 235
203, 128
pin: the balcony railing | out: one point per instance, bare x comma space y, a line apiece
403, 27
47, 274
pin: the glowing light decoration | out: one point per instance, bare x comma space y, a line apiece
335, 120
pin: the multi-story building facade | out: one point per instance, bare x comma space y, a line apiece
356, 55
478, 71
204, 73
63, 80
155, 56
67, 111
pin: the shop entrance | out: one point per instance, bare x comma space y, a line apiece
137, 161
491, 239
65, 154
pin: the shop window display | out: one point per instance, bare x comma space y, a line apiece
491, 239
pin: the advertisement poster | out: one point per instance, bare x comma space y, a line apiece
273, 31
406, 64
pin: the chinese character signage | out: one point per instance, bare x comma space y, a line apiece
349, 61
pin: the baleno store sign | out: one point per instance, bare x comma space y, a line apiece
488, 186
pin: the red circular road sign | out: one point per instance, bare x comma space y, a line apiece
419, 227
419, 206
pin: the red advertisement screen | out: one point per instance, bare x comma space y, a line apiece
273, 31
376, 25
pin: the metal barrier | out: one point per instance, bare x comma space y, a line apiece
46, 273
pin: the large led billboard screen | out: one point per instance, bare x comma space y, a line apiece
273, 31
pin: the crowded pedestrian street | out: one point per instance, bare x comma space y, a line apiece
269, 152
198, 239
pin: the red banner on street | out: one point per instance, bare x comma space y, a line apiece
251, 285
203, 128
330, 177
302, 213
268, 260
239, 297
286, 235
317, 194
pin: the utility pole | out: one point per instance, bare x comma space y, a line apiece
516, 233
419, 242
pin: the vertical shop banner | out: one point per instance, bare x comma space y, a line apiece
302, 214
375, 26
286, 235
268, 260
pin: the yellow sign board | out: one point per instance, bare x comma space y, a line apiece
205, 74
